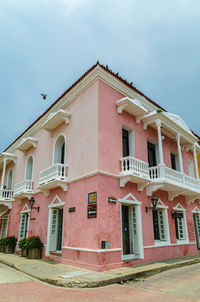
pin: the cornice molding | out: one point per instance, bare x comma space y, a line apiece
98, 73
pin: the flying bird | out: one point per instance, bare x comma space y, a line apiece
44, 96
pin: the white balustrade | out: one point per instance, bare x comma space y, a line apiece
6, 194
25, 186
173, 175
54, 172
163, 173
192, 182
131, 165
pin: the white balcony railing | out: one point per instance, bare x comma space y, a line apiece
163, 173
23, 187
53, 173
6, 194
134, 166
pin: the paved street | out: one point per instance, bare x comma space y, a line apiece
182, 284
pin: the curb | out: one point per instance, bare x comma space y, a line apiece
125, 276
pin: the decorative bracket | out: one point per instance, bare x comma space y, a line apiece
123, 181
190, 199
139, 118
141, 186
172, 195
64, 187
121, 108
153, 188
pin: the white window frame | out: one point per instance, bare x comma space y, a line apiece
54, 147
3, 218
162, 207
197, 212
131, 139
191, 168
9, 171
155, 143
176, 160
25, 210
179, 209
130, 200
25, 178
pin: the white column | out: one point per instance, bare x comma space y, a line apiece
160, 149
195, 161
3, 173
180, 159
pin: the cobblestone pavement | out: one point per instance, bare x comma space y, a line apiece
182, 284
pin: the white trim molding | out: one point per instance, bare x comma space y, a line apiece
180, 208
91, 250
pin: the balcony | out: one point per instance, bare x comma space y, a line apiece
23, 189
134, 170
174, 182
158, 178
6, 197
53, 177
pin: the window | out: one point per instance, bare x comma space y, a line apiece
196, 219
151, 154
59, 150
9, 179
174, 162
160, 224
191, 168
23, 232
29, 168
4, 226
180, 223
24, 223
128, 142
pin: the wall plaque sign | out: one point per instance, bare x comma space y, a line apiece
72, 210
92, 210
92, 197
177, 215
112, 199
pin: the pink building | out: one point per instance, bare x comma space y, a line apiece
92, 162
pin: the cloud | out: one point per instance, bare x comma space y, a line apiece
46, 45
71, 6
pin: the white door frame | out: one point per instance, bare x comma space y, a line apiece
130, 200
56, 203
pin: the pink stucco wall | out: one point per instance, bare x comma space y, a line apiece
93, 144
110, 134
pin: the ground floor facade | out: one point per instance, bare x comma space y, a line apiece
98, 225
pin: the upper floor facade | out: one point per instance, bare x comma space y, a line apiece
102, 124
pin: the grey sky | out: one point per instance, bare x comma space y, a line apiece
47, 44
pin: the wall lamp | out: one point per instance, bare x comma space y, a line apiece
154, 202
31, 202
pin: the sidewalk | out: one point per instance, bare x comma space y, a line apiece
74, 277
